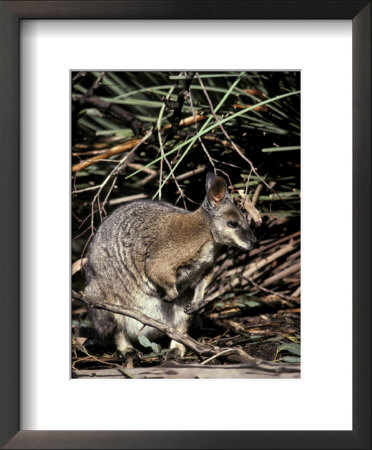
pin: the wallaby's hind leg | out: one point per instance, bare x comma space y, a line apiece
176, 350
124, 346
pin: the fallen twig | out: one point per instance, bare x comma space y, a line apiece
279, 276
201, 349
269, 291
276, 242
297, 292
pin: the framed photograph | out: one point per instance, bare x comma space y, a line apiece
238, 124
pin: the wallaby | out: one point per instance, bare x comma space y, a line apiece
158, 259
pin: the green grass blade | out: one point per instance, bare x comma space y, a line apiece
210, 128
193, 140
281, 149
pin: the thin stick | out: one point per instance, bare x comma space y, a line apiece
164, 158
113, 151
128, 198
202, 349
92, 188
199, 138
190, 173
269, 291
250, 208
274, 244
297, 292
256, 194
224, 352
279, 276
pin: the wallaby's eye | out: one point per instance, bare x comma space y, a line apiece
232, 224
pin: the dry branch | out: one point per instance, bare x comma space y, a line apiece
128, 198
113, 151
201, 349
269, 291
250, 270
297, 292
186, 121
190, 173
78, 265
279, 276
177, 107
115, 111
250, 208
274, 243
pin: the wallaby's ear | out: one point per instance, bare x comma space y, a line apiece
216, 189
209, 180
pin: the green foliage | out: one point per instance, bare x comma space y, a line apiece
145, 342
293, 349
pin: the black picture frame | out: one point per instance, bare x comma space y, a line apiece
11, 12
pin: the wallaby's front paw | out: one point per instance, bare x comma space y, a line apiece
191, 308
171, 294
